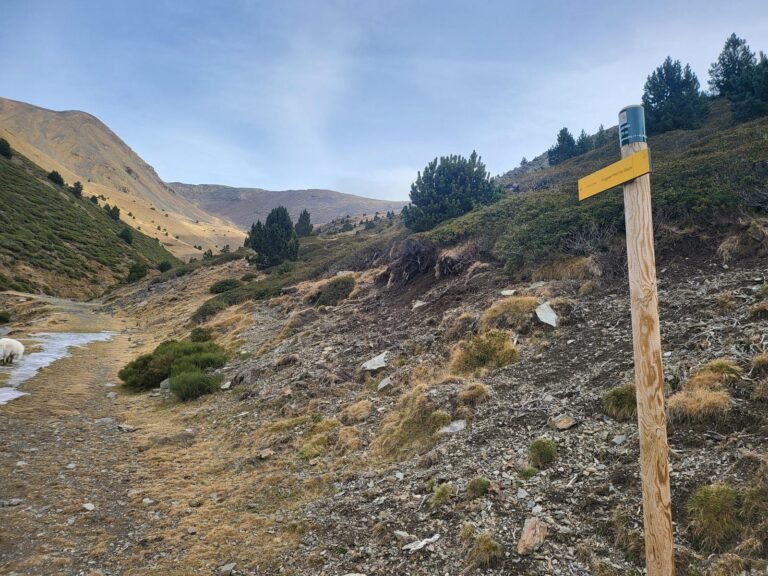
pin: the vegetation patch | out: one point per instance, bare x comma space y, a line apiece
193, 384
316, 442
478, 487
5, 316
199, 334
542, 453
759, 364
713, 516
620, 403
493, 349
333, 292
485, 551
224, 286
442, 495
727, 368
411, 429
515, 312
356, 412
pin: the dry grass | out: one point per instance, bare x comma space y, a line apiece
467, 533
726, 301
759, 365
484, 552
760, 310
727, 368
515, 312
587, 287
411, 429
626, 538
564, 307
348, 440
491, 350
620, 403
296, 322
754, 514
698, 405
580, 268
473, 394
356, 412
319, 439
704, 380
457, 328
713, 516
760, 391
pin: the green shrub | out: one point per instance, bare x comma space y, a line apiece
542, 453
713, 516
441, 495
335, 291
620, 402
5, 316
248, 277
126, 236
208, 310
55, 177
136, 272
200, 335
191, 385
224, 286
5, 148
171, 357
478, 487
164, 266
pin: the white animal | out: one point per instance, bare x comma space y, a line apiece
11, 350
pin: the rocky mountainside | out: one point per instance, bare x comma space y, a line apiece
81, 147
244, 206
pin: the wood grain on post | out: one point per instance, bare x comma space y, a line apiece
649, 378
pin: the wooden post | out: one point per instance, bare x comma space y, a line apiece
649, 378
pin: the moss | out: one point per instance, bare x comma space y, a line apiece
542, 453
491, 350
478, 487
485, 551
442, 495
620, 403
713, 516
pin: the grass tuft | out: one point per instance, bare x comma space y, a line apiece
515, 312
478, 487
542, 453
713, 516
333, 292
484, 552
442, 495
620, 403
491, 350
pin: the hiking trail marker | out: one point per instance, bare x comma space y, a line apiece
633, 171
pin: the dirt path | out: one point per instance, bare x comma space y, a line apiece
62, 451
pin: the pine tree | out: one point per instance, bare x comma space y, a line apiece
583, 143
56, 178
77, 189
751, 98
734, 61
275, 241
449, 187
303, 224
564, 148
601, 137
672, 98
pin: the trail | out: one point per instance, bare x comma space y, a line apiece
61, 449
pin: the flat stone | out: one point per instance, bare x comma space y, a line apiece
453, 427
418, 304
227, 385
508, 292
386, 383
619, 439
562, 422
112, 395
165, 384
534, 533
547, 315
227, 569
376, 363
88, 506
148, 502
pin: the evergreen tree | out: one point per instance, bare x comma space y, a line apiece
56, 178
303, 224
564, 148
583, 143
734, 61
5, 148
751, 98
601, 137
77, 189
126, 236
672, 98
449, 187
274, 241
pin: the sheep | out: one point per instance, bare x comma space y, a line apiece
11, 350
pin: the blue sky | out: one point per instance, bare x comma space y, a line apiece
354, 96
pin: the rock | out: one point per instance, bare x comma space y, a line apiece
89, 507
521, 494
105, 421
453, 427
419, 544
165, 384
71, 466
546, 315
508, 292
71, 520
562, 422
418, 304
537, 509
386, 383
126, 428
148, 502
112, 395
266, 453
227, 385
11, 502
376, 363
403, 536
619, 439
191, 531
227, 569
534, 533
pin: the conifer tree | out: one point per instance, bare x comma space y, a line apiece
734, 62
564, 148
303, 224
275, 241
672, 98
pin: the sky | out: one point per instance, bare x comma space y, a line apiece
354, 96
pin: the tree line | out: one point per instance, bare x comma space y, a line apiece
277, 239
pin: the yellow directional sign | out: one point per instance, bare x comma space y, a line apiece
616, 174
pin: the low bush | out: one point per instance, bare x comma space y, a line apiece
5, 316
759, 364
200, 334
164, 266
713, 516
136, 272
491, 350
442, 495
478, 487
224, 286
515, 312
484, 552
542, 453
333, 292
620, 402
190, 385
170, 358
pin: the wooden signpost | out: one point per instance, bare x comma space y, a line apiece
633, 171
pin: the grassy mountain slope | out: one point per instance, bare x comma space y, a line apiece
703, 181
53, 242
81, 147
244, 206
